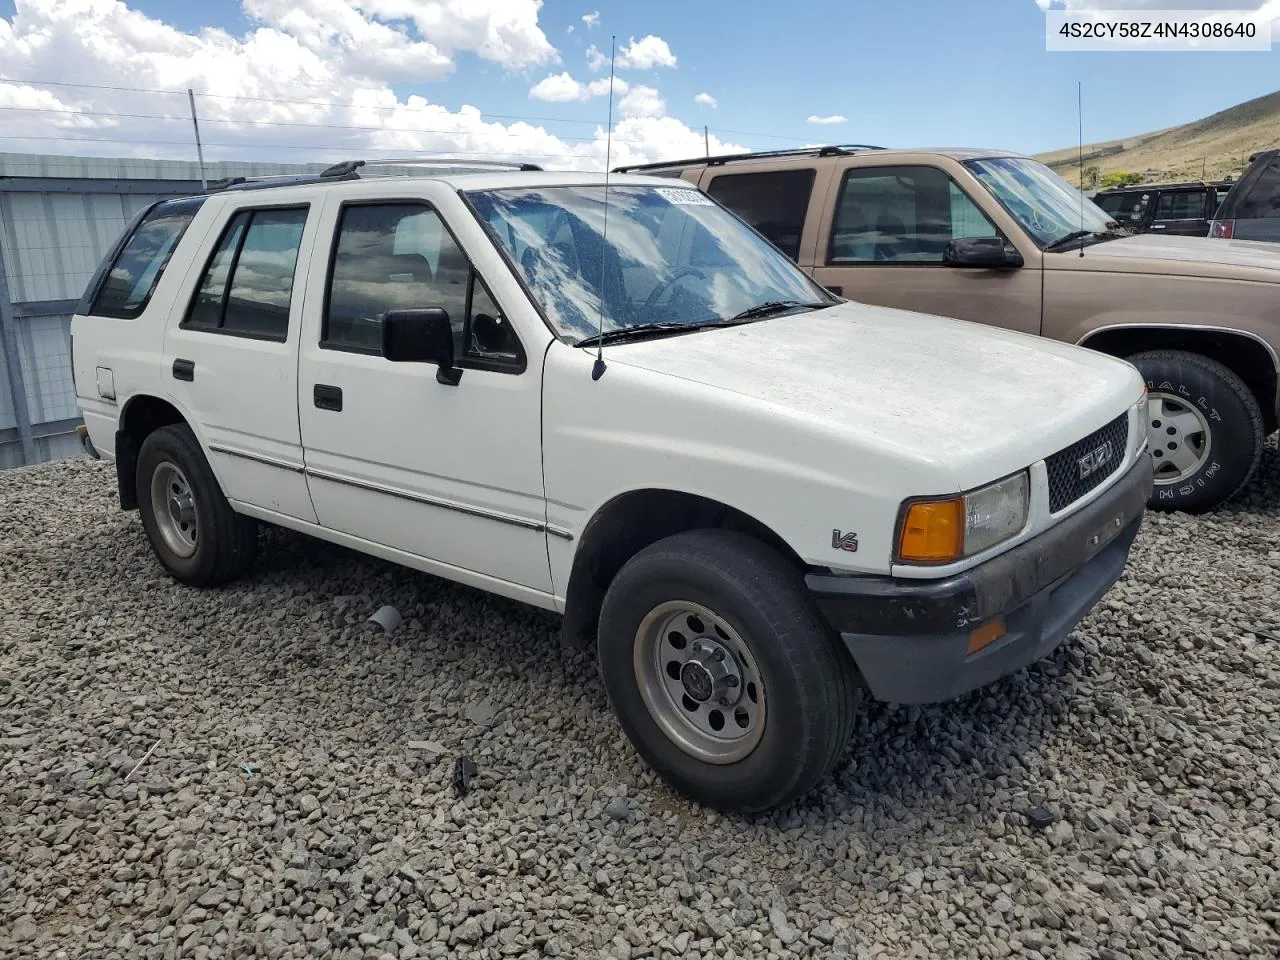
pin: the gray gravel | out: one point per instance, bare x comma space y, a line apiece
299, 800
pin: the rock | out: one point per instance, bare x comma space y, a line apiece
1060, 834
427, 746
481, 713
781, 928
619, 808
24, 929
308, 804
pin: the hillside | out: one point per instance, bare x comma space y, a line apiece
1217, 146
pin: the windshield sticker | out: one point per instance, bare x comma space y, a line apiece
689, 198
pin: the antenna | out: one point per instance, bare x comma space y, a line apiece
597, 368
1080, 158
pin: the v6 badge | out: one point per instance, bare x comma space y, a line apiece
844, 541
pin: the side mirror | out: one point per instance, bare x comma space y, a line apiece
990, 252
421, 336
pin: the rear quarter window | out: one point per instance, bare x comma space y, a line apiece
1263, 198
126, 287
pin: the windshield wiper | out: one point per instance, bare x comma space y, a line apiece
644, 330
1071, 237
768, 309
638, 332
1078, 237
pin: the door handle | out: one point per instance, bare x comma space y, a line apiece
327, 397
184, 370
1158, 226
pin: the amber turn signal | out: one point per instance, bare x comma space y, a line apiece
986, 635
932, 531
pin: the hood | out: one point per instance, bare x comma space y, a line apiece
1183, 256
980, 401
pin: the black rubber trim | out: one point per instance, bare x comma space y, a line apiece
895, 606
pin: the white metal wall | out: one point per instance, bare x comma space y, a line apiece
58, 216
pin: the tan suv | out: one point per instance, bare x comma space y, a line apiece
999, 238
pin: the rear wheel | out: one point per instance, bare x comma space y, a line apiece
193, 530
722, 672
1204, 430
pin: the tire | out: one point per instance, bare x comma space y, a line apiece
1187, 388
752, 605
199, 539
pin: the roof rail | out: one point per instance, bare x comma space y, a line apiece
441, 161
833, 150
346, 170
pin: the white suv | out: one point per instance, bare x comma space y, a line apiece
619, 403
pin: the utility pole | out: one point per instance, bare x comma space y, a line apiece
195, 124
706, 140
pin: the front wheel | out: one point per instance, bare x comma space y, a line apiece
1204, 429
722, 673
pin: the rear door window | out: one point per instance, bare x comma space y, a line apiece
127, 287
773, 203
247, 286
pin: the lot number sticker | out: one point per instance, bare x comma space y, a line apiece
689, 198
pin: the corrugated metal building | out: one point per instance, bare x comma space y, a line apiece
58, 215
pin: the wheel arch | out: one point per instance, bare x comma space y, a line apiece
628, 523
141, 415
1247, 355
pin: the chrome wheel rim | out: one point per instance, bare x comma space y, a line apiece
700, 682
174, 507
1178, 437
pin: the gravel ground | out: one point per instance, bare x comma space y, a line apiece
299, 800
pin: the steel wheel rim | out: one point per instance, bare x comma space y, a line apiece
700, 682
174, 507
1178, 437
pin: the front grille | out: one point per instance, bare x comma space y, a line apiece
1084, 465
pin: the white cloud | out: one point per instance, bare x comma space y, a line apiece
641, 102
570, 29
644, 54
562, 88
592, 19
409, 38
322, 72
833, 118
706, 100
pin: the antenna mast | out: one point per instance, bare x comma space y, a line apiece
1080, 157
597, 368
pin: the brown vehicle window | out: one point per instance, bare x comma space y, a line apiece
1182, 205
902, 215
773, 203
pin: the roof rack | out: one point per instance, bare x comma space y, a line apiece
834, 150
346, 170
441, 161
1171, 185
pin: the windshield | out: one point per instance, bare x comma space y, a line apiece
672, 256
1046, 206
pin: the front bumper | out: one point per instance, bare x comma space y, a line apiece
910, 638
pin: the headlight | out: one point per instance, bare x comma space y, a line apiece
1141, 415
952, 528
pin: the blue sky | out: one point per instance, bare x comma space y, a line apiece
914, 72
